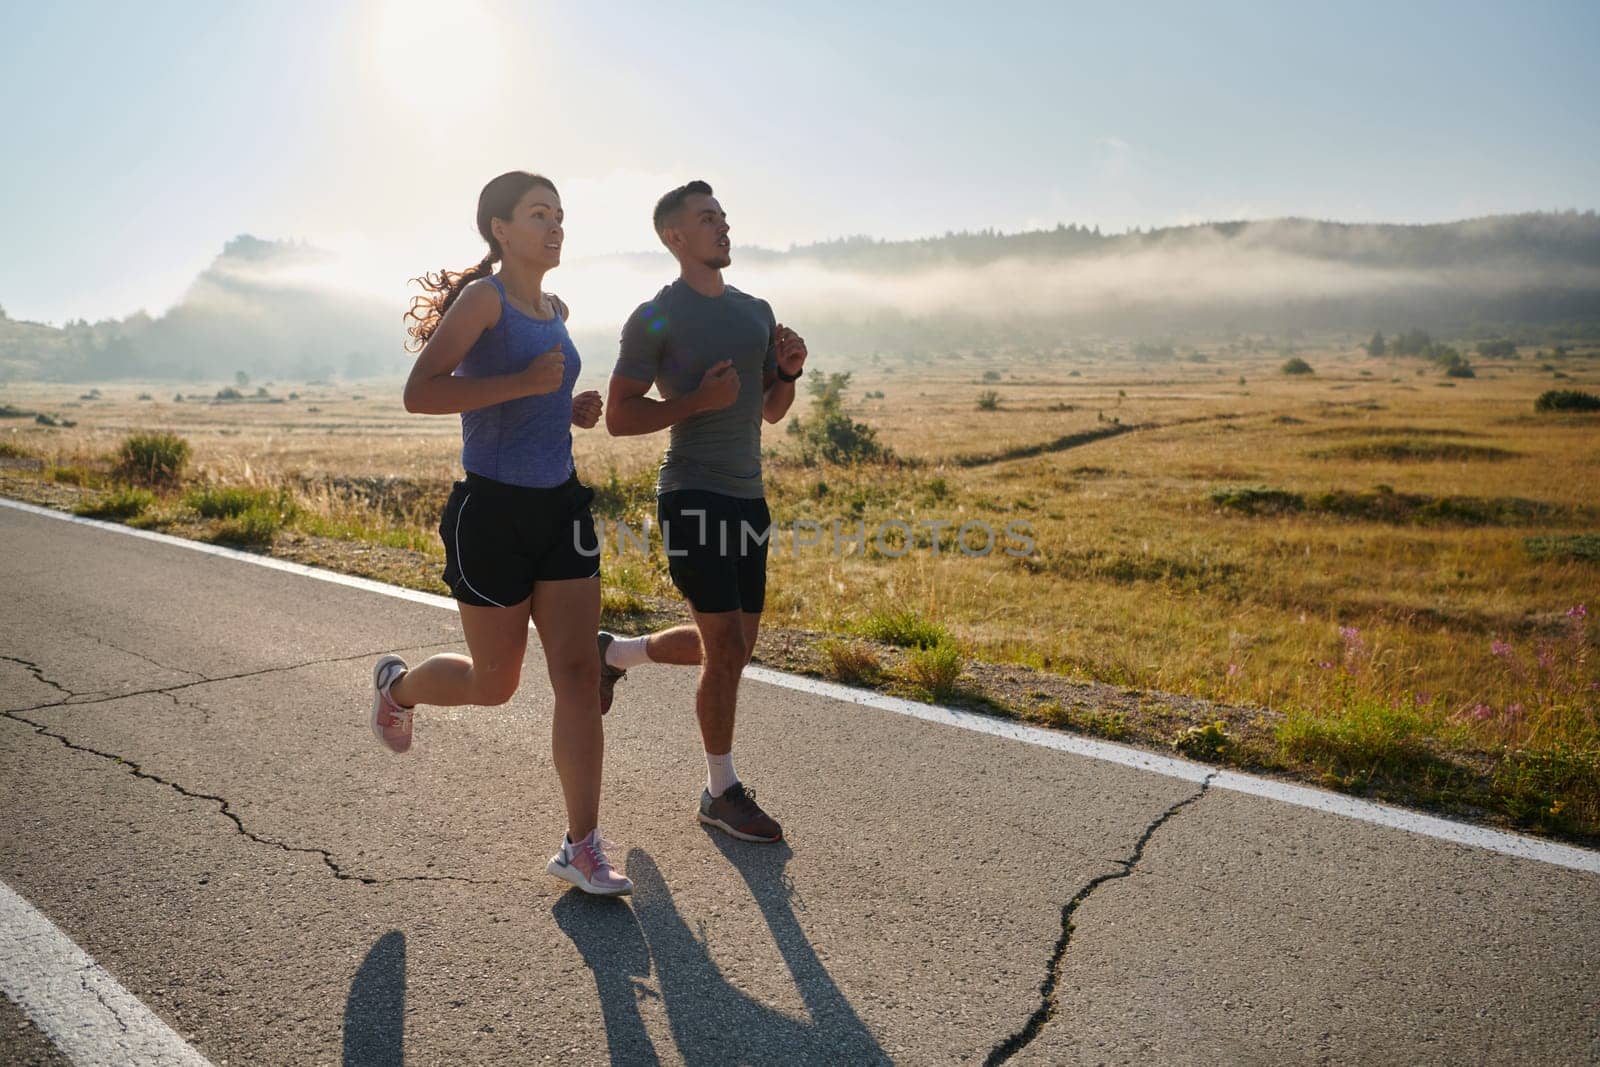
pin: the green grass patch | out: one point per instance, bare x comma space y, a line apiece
1363, 744
75, 475
1111, 725
904, 628
1552, 789
621, 498
123, 503
345, 528
619, 604
1576, 548
259, 524
1385, 505
1412, 451
227, 502
13, 451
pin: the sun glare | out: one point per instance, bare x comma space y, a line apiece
423, 58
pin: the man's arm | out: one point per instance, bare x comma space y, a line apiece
777, 394
630, 412
777, 398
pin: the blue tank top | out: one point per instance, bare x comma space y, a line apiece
527, 441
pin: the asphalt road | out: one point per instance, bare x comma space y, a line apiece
189, 791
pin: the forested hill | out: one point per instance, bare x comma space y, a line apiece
274, 308
1544, 240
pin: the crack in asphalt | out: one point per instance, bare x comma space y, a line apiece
38, 674
223, 805
168, 690
1048, 1000
136, 655
83, 981
226, 809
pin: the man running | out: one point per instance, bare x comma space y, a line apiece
721, 364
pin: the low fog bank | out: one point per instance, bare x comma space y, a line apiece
277, 309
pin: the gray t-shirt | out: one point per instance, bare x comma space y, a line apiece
672, 341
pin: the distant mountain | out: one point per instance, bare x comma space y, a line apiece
266, 308
260, 307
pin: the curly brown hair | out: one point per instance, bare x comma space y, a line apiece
497, 201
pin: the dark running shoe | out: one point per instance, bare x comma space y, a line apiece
737, 812
609, 675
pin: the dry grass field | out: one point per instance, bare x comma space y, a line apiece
1389, 570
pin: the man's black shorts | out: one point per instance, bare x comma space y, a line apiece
500, 539
716, 548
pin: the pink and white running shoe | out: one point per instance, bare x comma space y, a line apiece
584, 864
391, 723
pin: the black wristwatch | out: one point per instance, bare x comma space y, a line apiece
782, 377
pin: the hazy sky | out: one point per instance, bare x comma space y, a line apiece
140, 137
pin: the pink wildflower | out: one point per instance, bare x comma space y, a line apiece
1481, 712
1577, 614
1500, 648
1234, 670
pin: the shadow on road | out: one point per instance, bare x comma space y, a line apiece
375, 1013
711, 1021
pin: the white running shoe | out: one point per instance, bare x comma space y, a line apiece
584, 864
391, 723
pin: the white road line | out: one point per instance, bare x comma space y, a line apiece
1529, 848
75, 1001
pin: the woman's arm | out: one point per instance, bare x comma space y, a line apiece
433, 390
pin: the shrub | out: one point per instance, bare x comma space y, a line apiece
1258, 500
152, 458
1296, 365
1208, 742
1497, 349
1460, 370
904, 628
123, 503
850, 662
1566, 400
11, 451
988, 400
934, 670
828, 435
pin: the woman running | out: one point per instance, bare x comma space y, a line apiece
518, 534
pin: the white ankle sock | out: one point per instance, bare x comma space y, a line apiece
719, 773
627, 652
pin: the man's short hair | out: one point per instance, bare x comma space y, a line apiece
668, 205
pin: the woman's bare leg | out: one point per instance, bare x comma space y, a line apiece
567, 616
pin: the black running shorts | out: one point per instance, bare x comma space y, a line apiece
500, 539
716, 548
